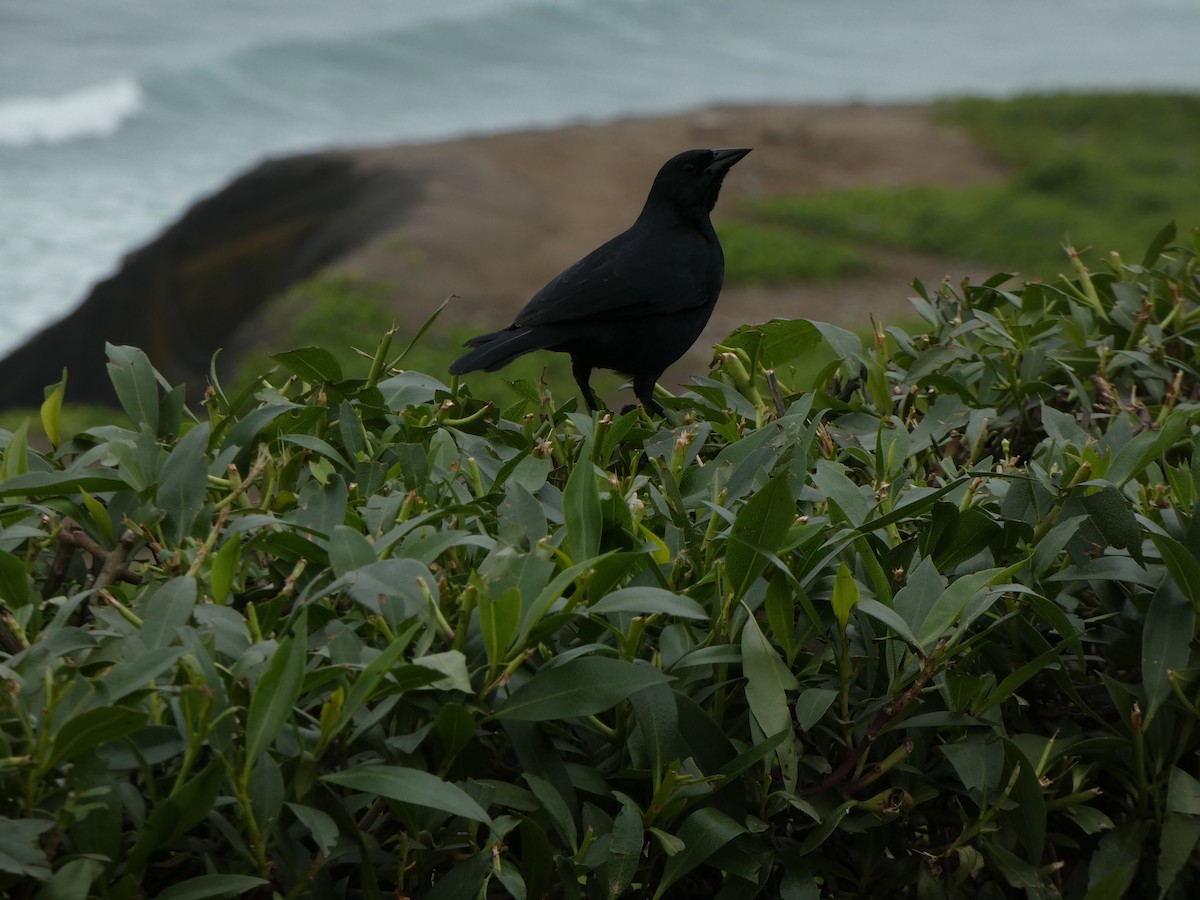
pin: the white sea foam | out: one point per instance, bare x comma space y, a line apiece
97, 110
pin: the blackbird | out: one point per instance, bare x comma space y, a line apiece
637, 303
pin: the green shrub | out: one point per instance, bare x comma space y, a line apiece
914, 618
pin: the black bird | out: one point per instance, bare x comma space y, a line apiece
637, 303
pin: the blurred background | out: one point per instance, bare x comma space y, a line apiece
116, 115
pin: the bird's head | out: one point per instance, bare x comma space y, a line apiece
692, 180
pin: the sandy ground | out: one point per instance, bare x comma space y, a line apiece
498, 216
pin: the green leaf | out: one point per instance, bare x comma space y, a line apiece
750, 757
657, 716
204, 886
948, 607
1110, 513
315, 444
780, 607
320, 824
20, 852
414, 786
625, 848
35, 484
1176, 846
845, 595
1183, 793
841, 493
72, 881
349, 550
92, 728
135, 673
136, 385
978, 760
177, 814
183, 482
1166, 641
313, 364
275, 694
556, 805
465, 880
759, 529
499, 618
100, 516
224, 566
579, 687
1158, 244
51, 410
767, 682
14, 581
1132, 459
890, 618
703, 833
581, 509
812, 704
368, 681
168, 609
1182, 565
1029, 803
456, 728
15, 460
644, 601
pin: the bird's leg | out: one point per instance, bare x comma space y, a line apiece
643, 389
583, 374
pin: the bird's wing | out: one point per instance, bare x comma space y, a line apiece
629, 277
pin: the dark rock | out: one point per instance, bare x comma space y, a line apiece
181, 295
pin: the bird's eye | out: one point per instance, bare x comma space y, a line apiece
690, 168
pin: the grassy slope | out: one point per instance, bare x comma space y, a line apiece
1100, 171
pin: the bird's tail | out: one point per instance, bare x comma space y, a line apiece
496, 350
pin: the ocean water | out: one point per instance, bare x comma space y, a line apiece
115, 115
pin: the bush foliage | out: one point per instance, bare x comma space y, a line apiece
913, 616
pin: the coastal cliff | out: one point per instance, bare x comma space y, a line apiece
180, 296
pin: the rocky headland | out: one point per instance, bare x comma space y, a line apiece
489, 218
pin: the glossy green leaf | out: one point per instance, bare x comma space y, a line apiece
349, 550
657, 718
703, 833
136, 385
581, 509
579, 687
414, 786
951, 604
759, 528
1166, 641
92, 728
625, 849
14, 461
275, 694
644, 601
183, 482
14, 581
205, 886
314, 364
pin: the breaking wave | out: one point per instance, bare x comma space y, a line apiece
97, 110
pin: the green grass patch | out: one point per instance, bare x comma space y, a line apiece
757, 253
1102, 171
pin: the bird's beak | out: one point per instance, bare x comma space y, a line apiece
723, 160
